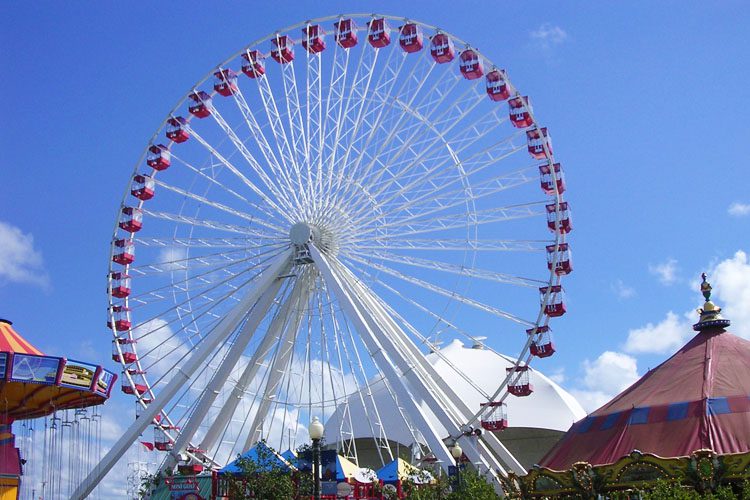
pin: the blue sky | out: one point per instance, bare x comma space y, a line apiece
647, 103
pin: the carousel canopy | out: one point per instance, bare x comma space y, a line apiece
697, 399
34, 385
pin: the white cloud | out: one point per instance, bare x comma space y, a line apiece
557, 375
663, 338
666, 271
730, 279
19, 261
739, 209
622, 290
547, 36
605, 377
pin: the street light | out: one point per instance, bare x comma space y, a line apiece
457, 453
316, 431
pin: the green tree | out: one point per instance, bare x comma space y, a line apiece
264, 478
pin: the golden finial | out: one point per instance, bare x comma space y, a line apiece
710, 313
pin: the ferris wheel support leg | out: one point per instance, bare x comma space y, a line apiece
183, 374
370, 339
488, 439
419, 381
212, 390
272, 335
275, 375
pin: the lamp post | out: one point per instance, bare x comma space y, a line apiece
316, 431
457, 453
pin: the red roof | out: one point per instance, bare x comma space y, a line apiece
698, 398
11, 341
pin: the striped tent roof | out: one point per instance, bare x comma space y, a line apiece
698, 398
11, 341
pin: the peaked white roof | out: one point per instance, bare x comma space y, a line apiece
548, 407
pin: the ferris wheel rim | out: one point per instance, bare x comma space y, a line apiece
559, 237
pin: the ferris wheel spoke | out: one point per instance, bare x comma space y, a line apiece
408, 226
384, 118
471, 165
410, 300
333, 108
408, 107
442, 291
202, 174
283, 145
459, 270
314, 126
433, 348
239, 145
299, 140
388, 78
196, 288
179, 261
219, 226
260, 139
201, 242
347, 122
211, 303
449, 244
219, 206
430, 200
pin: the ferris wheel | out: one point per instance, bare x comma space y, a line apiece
312, 218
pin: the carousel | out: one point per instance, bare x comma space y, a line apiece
53, 403
687, 421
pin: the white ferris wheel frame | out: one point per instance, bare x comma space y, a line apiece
395, 352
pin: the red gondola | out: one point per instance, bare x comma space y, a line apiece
519, 112
542, 346
142, 187
177, 129
520, 387
495, 418
313, 41
162, 441
126, 348
556, 306
225, 82
470, 64
120, 318
536, 139
559, 222
346, 33
497, 86
545, 178
158, 157
379, 35
124, 252
132, 219
253, 66
441, 48
410, 38
119, 285
201, 106
282, 53
564, 263
128, 389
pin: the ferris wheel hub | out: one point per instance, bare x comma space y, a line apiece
303, 233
